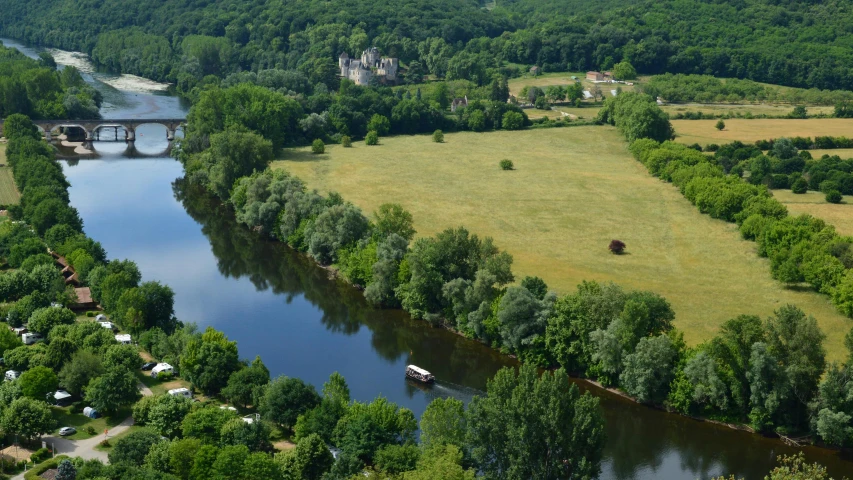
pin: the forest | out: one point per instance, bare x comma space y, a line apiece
801, 44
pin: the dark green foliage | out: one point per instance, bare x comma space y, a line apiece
37, 382
372, 138
535, 427
318, 146
132, 448
346, 141
244, 384
285, 398
833, 196
438, 136
637, 116
506, 164
114, 389
28, 418
367, 427
209, 360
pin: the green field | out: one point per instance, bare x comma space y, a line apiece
814, 203
9, 194
573, 190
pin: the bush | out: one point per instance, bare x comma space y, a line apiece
513, 120
616, 247
318, 147
346, 141
506, 164
712, 147
372, 138
833, 196
40, 455
90, 430
799, 186
438, 136
720, 125
90, 314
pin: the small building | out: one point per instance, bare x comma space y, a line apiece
61, 398
181, 392
30, 338
594, 76
535, 70
84, 299
608, 75
123, 338
162, 367
459, 103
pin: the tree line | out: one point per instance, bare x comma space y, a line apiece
186, 43
37, 89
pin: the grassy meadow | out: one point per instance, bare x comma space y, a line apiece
9, 194
572, 191
814, 203
750, 130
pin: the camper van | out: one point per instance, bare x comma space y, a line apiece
162, 367
181, 392
12, 375
124, 339
30, 338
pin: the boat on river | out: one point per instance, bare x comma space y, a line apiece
419, 374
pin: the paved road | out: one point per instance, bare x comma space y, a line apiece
86, 448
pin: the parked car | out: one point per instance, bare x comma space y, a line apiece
149, 365
65, 431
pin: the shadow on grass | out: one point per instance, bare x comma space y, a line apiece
303, 156
800, 287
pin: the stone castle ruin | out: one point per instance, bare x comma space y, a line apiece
371, 64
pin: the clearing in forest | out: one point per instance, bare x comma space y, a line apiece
813, 203
573, 190
750, 130
9, 194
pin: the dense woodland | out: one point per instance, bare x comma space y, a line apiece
802, 44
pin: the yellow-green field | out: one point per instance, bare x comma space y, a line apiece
841, 152
703, 131
814, 203
8, 191
573, 190
734, 109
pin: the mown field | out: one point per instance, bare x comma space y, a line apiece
703, 131
814, 203
8, 191
573, 190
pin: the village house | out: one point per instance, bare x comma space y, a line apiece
371, 64
595, 76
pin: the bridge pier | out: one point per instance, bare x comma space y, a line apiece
130, 133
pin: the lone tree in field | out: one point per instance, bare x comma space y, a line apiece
346, 141
506, 164
318, 147
720, 125
438, 136
372, 138
617, 246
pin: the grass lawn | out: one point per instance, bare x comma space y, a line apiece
703, 131
64, 418
573, 190
731, 109
814, 203
563, 79
9, 194
160, 388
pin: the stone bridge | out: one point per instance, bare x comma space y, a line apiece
91, 127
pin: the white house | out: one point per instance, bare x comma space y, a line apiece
123, 338
161, 367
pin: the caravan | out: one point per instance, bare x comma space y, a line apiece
30, 338
162, 367
181, 392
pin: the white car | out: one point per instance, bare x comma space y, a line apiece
65, 431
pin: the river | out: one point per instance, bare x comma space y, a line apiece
279, 305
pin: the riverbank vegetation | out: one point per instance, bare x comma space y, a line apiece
768, 378
183, 439
37, 89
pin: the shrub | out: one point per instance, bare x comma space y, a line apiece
163, 376
799, 186
346, 141
40, 455
617, 247
833, 196
506, 164
372, 138
720, 125
318, 147
712, 147
438, 136
513, 120
90, 430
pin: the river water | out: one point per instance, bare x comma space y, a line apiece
279, 305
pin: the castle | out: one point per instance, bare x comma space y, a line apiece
371, 63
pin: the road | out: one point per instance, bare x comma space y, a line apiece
86, 448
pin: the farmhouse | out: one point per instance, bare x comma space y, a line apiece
595, 76
371, 63
84, 299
